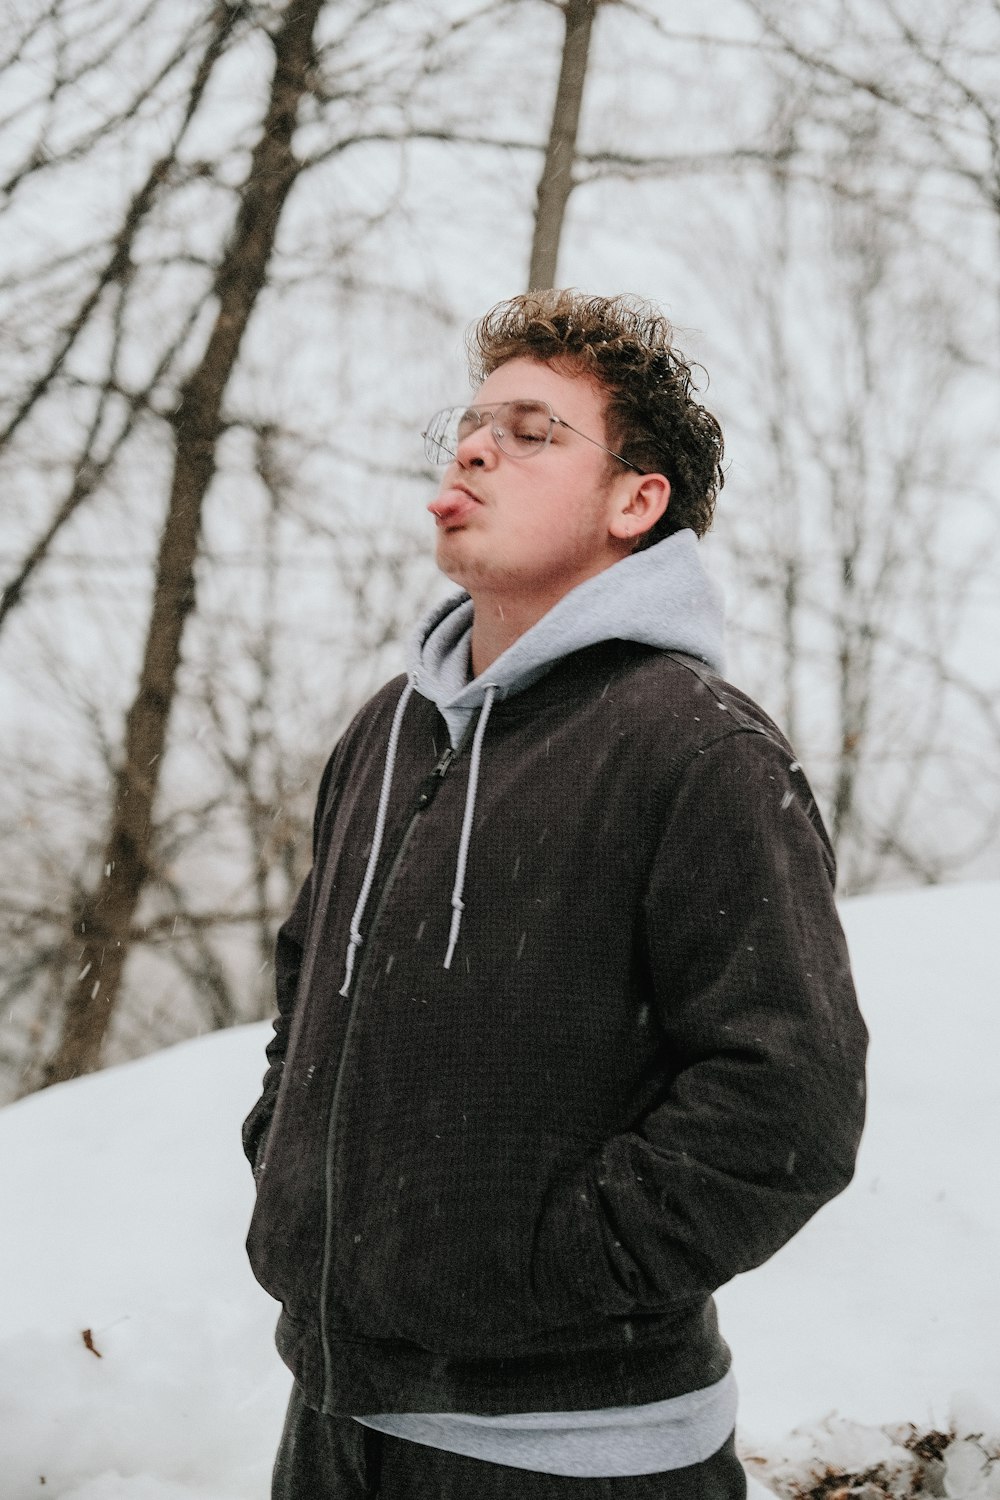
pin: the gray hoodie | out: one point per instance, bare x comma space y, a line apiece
660, 597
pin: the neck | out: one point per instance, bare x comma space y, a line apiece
501, 619
497, 624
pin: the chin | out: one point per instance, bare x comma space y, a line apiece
452, 555
450, 566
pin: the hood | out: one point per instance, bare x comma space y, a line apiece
659, 597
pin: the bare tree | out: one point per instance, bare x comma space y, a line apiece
854, 579
556, 181
231, 838
105, 918
128, 345
928, 73
136, 370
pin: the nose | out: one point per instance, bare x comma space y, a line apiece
478, 449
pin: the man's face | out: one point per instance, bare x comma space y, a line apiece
531, 528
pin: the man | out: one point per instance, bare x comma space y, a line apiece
567, 1036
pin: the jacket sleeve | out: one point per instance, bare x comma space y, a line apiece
763, 1043
289, 948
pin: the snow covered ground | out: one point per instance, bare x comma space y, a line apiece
125, 1200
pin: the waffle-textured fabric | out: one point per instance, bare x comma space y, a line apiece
512, 1185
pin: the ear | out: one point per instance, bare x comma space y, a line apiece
641, 502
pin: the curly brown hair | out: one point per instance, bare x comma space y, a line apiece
652, 417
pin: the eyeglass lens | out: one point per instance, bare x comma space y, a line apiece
520, 428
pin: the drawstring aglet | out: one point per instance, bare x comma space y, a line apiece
352, 951
458, 906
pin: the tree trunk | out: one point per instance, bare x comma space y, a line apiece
105, 918
556, 181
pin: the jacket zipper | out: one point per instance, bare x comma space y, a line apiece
425, 796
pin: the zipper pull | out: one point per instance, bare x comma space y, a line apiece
445, 761
428, 790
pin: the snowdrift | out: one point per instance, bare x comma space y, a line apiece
135, 1348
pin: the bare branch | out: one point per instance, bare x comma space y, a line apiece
91, 469
40, 157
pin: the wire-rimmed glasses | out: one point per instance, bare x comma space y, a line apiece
521, 429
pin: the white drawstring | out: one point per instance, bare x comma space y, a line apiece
457, 904
380, 816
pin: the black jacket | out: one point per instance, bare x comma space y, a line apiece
513, 1185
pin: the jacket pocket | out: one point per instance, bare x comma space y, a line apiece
439, 1251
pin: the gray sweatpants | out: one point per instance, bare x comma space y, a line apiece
336, 1458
